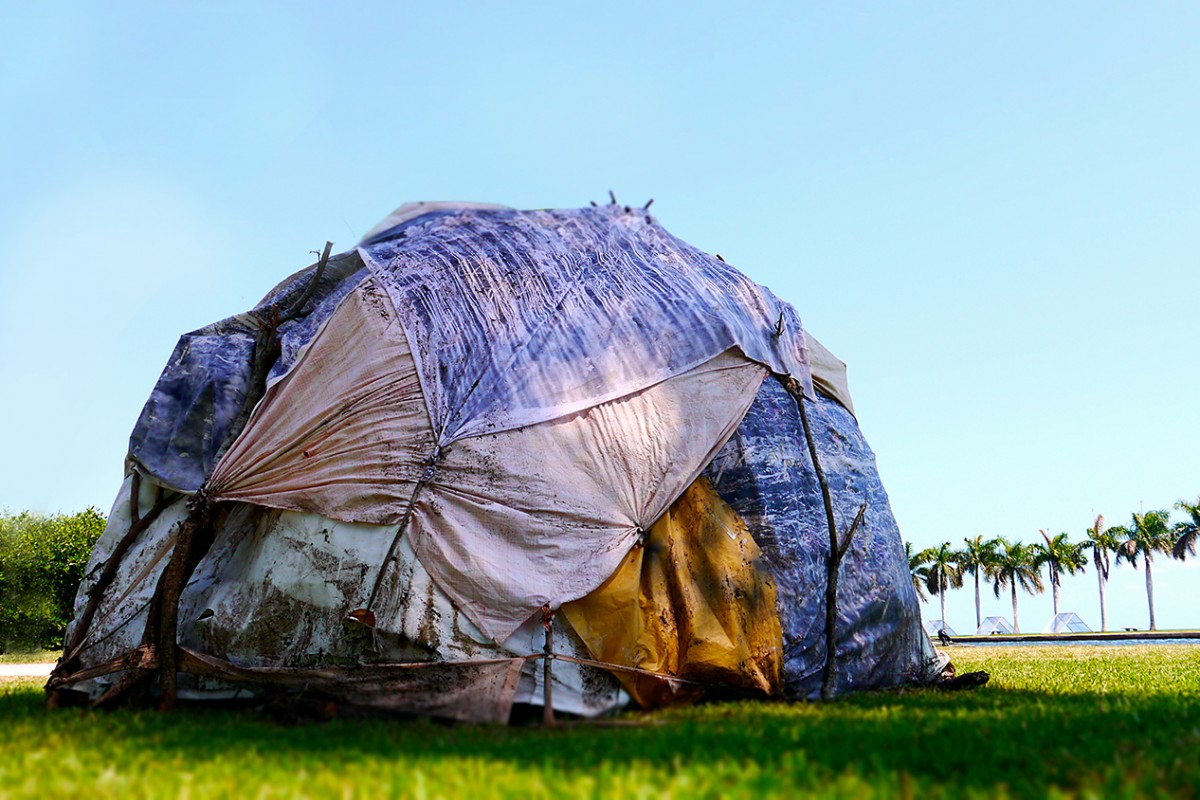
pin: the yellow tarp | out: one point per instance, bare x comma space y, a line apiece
694, 601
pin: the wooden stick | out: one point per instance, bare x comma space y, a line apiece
96, 593
425, 478
174, 576
162, 627
547, 672
307, 294
836, 548
266, 353
858, 518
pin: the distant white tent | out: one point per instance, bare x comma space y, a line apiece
932, 626
1067, 622
993, 625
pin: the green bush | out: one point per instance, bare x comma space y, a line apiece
42, 561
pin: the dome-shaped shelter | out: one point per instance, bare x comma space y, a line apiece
387, 480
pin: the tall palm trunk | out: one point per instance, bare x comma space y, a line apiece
1150, 591
1016, 625
942, 597
1054, 590
978, 618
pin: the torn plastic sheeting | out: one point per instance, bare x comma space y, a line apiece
694, 602
276, 587
520, 317
765, 473
505, 522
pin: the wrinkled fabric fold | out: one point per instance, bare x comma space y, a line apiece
695, 601
344, 433
545, 514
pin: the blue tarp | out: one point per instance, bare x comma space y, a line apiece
765, 473
520, 317
514, 317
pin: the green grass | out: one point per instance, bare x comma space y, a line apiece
1054, 721
35, 657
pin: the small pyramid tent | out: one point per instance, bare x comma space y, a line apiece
935, 626
390, 479
992, 625
1066, 622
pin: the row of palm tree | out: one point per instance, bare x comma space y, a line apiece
1009, 564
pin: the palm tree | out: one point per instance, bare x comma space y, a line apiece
1103, 541
1059, 556
941, 572
916, 569
1016, 564
1188, 531
976, 558
1148, 534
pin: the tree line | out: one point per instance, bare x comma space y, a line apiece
1008, 564
42, 561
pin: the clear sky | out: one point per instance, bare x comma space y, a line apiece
988, 210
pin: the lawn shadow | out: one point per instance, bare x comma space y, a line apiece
1022, 740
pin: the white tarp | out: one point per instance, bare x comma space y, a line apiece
521, 317
545, 514
273, 591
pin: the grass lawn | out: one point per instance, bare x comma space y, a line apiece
1054, 721
36, 657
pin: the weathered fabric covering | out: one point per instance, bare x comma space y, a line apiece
765, 473
271, 596
516, 317
695, 602
205, 382
504, 522
828, 372
545, 514
389, 226
344, 433
520, 317
465, 691
121, 616
525, 392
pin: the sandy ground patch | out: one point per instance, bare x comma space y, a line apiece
25, 670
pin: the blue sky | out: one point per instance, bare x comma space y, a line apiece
990, 212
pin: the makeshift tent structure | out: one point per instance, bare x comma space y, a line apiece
934, 626
1066, 622
392, 476
992, 625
